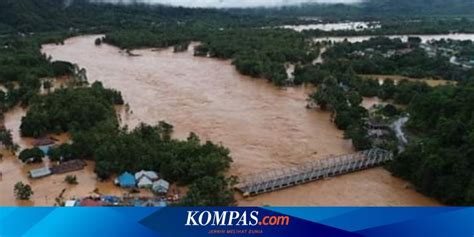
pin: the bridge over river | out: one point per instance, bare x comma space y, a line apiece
269, 181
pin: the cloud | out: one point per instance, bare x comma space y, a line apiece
233, 3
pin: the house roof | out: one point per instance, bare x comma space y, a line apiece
149, 174
144, 181
44, 141
126, 180
41, 172
161, 185
70, 203
68, 166
90, 203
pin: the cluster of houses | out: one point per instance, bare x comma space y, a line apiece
466, 64
431, 48
101, 201
450, 50
143, 179
387, 54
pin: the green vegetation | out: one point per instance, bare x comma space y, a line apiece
393, 57
255, 52
6, 139
88, 114
210, 191
439, 159
346, 110
261, 52
149, 147
33, 155
22, 191
71, 179
154, 37
340, 91
373, 9
82, 15
98, 42
69, 109
22, 65
63, 152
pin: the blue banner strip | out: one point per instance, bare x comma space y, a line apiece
237, 221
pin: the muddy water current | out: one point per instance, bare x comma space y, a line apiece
265, 127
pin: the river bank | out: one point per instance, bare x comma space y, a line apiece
265, 127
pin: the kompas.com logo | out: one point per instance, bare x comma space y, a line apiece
234, 218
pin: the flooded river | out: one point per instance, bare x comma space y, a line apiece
265, 127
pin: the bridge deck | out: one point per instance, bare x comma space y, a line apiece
269, 181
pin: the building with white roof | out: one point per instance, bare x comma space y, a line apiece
39, 173
161, 186
145, 182
149, 174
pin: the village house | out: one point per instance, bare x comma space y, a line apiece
161, 186
149, 174
39, 173
44, 141
68, 166
126, 180
70, 203
145, 178
145, 182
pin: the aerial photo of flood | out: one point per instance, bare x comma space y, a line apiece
108, 103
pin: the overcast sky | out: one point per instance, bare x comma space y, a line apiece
237, 3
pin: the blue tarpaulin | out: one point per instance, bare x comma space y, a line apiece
45, 149
126, 180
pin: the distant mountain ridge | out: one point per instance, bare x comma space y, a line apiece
420, 7
47, 15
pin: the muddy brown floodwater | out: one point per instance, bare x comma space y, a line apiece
265, 127
48, 188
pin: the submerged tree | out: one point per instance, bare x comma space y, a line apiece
23, 191
211, 191
98, 42
71, 179
33, 155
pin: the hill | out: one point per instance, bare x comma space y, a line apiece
53, 15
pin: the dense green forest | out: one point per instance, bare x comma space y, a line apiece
438, 157
373, 9
22, 65
345, 106
70, 109
260, 53
56, 15
439, 161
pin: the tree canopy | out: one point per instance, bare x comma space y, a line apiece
440, 160
70, 108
